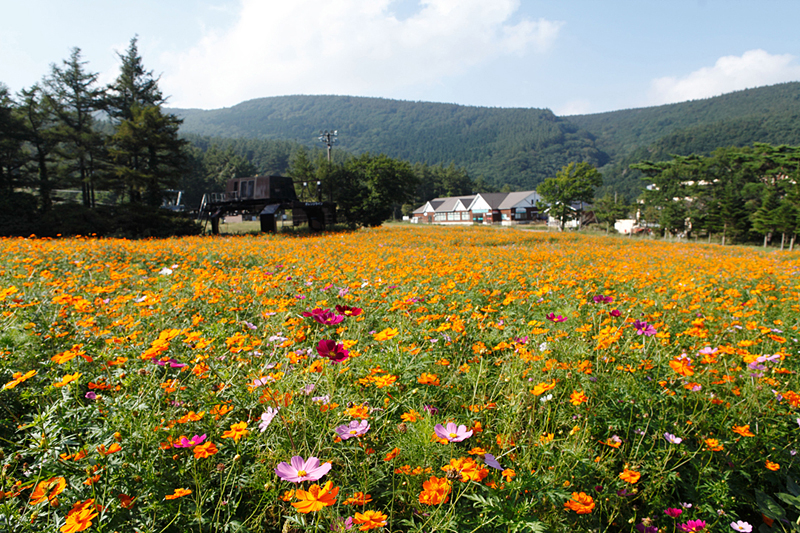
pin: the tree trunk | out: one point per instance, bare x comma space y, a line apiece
783, 240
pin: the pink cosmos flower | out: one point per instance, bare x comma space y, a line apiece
603, 299
300, 470
615, 313
451, 432
741, 525
673, 512
692, 526
183, 442
672, 439
555, 318
331, 350
266, 418
353, 429
643, 328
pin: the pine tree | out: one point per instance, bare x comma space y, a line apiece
73, 96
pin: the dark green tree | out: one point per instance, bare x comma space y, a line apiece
74, 97
610, 208
42, 139
149, 154
370, 189
134, 86
566, 193
12, 136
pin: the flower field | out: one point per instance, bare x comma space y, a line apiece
398, 379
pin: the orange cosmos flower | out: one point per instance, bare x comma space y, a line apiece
80, 517
428, 379
630, 476
126, 501
541, 388
370, 520
468, 469
435, 491
682, 366
48, 490
66, 380
384, 381
237, 431
392, 454
386, 334
204, 450
179, 493
358, 411
315, 498
19, 377
287, 496
581, 503
411, 416
744, 431
713, 445
577, 398
114, 448
359, 498
772, 466
508, 474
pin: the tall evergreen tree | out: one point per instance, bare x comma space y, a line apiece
37, 115
134, 86
12, 157
74, 97
146, 149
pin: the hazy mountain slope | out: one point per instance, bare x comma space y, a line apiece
520, 147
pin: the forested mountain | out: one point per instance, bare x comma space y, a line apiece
765, 114
518, 147
515, 147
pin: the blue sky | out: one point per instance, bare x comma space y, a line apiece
571, 56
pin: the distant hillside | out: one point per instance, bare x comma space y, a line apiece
520, 147
765, 114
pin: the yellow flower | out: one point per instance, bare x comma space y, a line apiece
386, 334
541, 388
630, 476
236, 432
370, 520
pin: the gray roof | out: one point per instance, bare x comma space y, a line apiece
449, 204
514, 198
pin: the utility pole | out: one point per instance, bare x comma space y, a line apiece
328, 137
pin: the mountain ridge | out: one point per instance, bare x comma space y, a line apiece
516, 146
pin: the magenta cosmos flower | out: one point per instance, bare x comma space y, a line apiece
556, 318
451, 432
326, 317
300, 470
346, 310
333, 351
353, 429
183, 442
692, 526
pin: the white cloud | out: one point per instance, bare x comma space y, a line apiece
574, 107
754, 68
351, 47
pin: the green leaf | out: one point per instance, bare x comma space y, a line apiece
769, 507
791, 500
